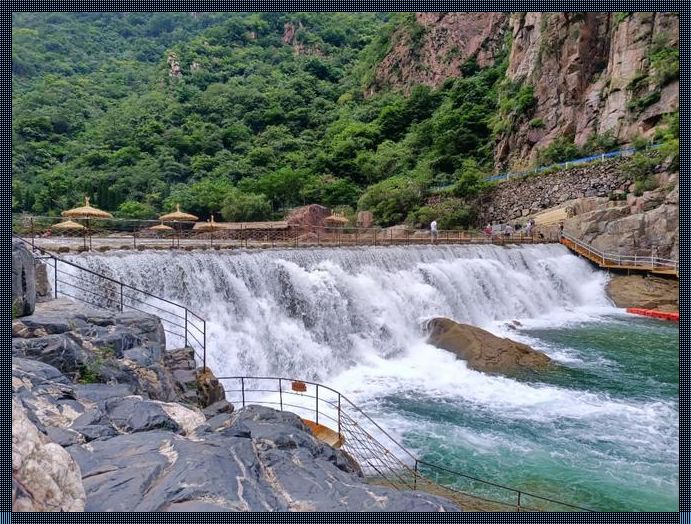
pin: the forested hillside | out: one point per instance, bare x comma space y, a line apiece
249, 114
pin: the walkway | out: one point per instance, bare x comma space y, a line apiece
645, 264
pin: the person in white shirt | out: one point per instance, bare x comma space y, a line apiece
433, 229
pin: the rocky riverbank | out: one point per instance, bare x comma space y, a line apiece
105, 419
647, 292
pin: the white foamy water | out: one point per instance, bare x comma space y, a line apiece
352, 319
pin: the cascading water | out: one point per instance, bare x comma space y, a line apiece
352, 318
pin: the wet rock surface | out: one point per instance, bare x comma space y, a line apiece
23, 280
482, 350
115, 423
645, 292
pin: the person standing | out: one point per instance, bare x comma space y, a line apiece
561, 230
433, 230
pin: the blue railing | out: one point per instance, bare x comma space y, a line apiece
577, 161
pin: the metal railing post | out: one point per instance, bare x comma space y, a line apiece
122, 298
33, 234
316, 405
55, 276
242, 387
339, 415
518, 502
204, 355
415, 476
185, 327
280, 393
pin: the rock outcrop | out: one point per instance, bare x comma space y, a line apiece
136, 454
308, 216
482, 350
645, 292
438, 48
93, 345
590, 73
23, 280
44, 475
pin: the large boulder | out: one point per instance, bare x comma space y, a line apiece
482, 350
646, 292
23, 280
44, 475
94, 345
308, 216
263, 460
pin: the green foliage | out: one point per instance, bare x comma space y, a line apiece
638, 104
620, 17
252, 127
664, 59
537, 123
136, 210
245, 207
668, 134
560, 150
596, 143
450, 213
470, 180
516, 102
393, 199
641, 168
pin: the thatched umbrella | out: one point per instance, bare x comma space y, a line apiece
178, 216
210, 226
86, 212
68, 225
162, 228
336, 220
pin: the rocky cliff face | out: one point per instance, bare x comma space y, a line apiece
591, 73
438, 46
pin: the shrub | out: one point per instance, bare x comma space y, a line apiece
452, 213
640, 103
537, 123
470, 180
603, 143
641, 168
392, 200
560, 150
245, 207
135, 210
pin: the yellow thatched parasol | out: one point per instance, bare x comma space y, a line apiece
178, 216
335, 220
210, 226
160, 227
86, 211
67, 225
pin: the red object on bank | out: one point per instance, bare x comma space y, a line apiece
653, 313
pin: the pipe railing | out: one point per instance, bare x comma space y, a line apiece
636, 260
80, 283
380, 456
135, 234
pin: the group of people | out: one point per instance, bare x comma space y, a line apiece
507, 230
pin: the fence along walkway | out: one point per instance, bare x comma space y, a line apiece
135, 234
648, 264
71, 280
382, 458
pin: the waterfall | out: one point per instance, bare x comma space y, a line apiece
315, 313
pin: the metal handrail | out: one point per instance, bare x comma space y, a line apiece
116, 299
654, 261
327, 236
390, 467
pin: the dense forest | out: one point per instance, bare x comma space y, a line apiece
244, 115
